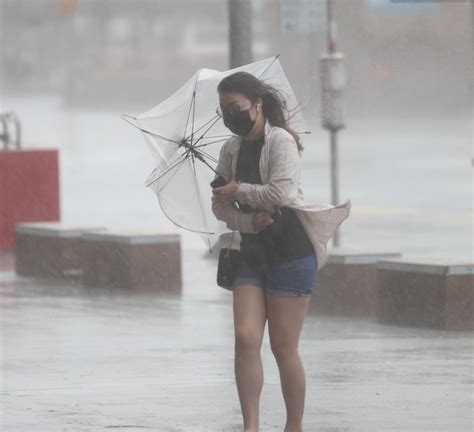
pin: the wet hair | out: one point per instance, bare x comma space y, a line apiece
274, 104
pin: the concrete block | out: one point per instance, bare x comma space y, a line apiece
426, 292
49, 249
133, 260
346, 285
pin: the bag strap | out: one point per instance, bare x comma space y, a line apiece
233, 232
230, 244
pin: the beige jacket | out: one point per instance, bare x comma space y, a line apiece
280, 169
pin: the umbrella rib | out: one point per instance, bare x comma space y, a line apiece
126, 117
189, 111
194, 111
207, 130
159, 136
203, 126
212, 142
219, 136
171, 177
198, 193
175, 164
165, 172
175, 161
273, 61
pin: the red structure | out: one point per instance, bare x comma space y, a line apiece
29, 190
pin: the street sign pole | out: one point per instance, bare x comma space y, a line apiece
332, 109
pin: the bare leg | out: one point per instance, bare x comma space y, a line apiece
285, 321
249, 323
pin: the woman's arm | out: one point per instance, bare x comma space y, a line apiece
282, 187
234, 218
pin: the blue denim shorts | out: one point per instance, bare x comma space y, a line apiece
289, 279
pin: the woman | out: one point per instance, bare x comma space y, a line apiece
280, 257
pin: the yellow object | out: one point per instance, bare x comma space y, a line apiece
67, 7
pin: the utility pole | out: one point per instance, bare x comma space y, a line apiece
240, 32
332, 109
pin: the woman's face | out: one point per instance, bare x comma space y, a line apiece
232, 102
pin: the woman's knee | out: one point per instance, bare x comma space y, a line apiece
247, 338
283, 350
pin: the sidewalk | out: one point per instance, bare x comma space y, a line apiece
78, 360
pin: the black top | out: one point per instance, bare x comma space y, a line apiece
283, 240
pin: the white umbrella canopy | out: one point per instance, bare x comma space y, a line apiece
184, 135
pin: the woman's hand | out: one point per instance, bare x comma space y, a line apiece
226, 194
261, 220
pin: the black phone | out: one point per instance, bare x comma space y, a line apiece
218, 182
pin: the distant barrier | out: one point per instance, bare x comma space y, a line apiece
29, 190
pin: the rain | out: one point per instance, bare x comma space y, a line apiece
111, 317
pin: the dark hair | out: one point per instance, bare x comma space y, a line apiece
274, 104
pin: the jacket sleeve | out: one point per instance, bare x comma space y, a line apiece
284, 178
234, 218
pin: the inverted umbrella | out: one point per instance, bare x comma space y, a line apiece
184, 135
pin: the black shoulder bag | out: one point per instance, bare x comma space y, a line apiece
228, 258
227, 265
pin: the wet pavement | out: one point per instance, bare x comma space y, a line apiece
83, 359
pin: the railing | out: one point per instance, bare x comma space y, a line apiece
10, 131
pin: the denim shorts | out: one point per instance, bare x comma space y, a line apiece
289, 279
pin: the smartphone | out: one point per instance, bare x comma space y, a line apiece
218, 182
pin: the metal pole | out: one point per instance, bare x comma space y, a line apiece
331, 46
240, 32
334, 179
328, 25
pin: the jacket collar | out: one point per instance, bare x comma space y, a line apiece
235, 143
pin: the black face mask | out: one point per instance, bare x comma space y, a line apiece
239, 122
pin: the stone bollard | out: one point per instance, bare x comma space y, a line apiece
132, 260
346, 285
426, 292
49, 249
